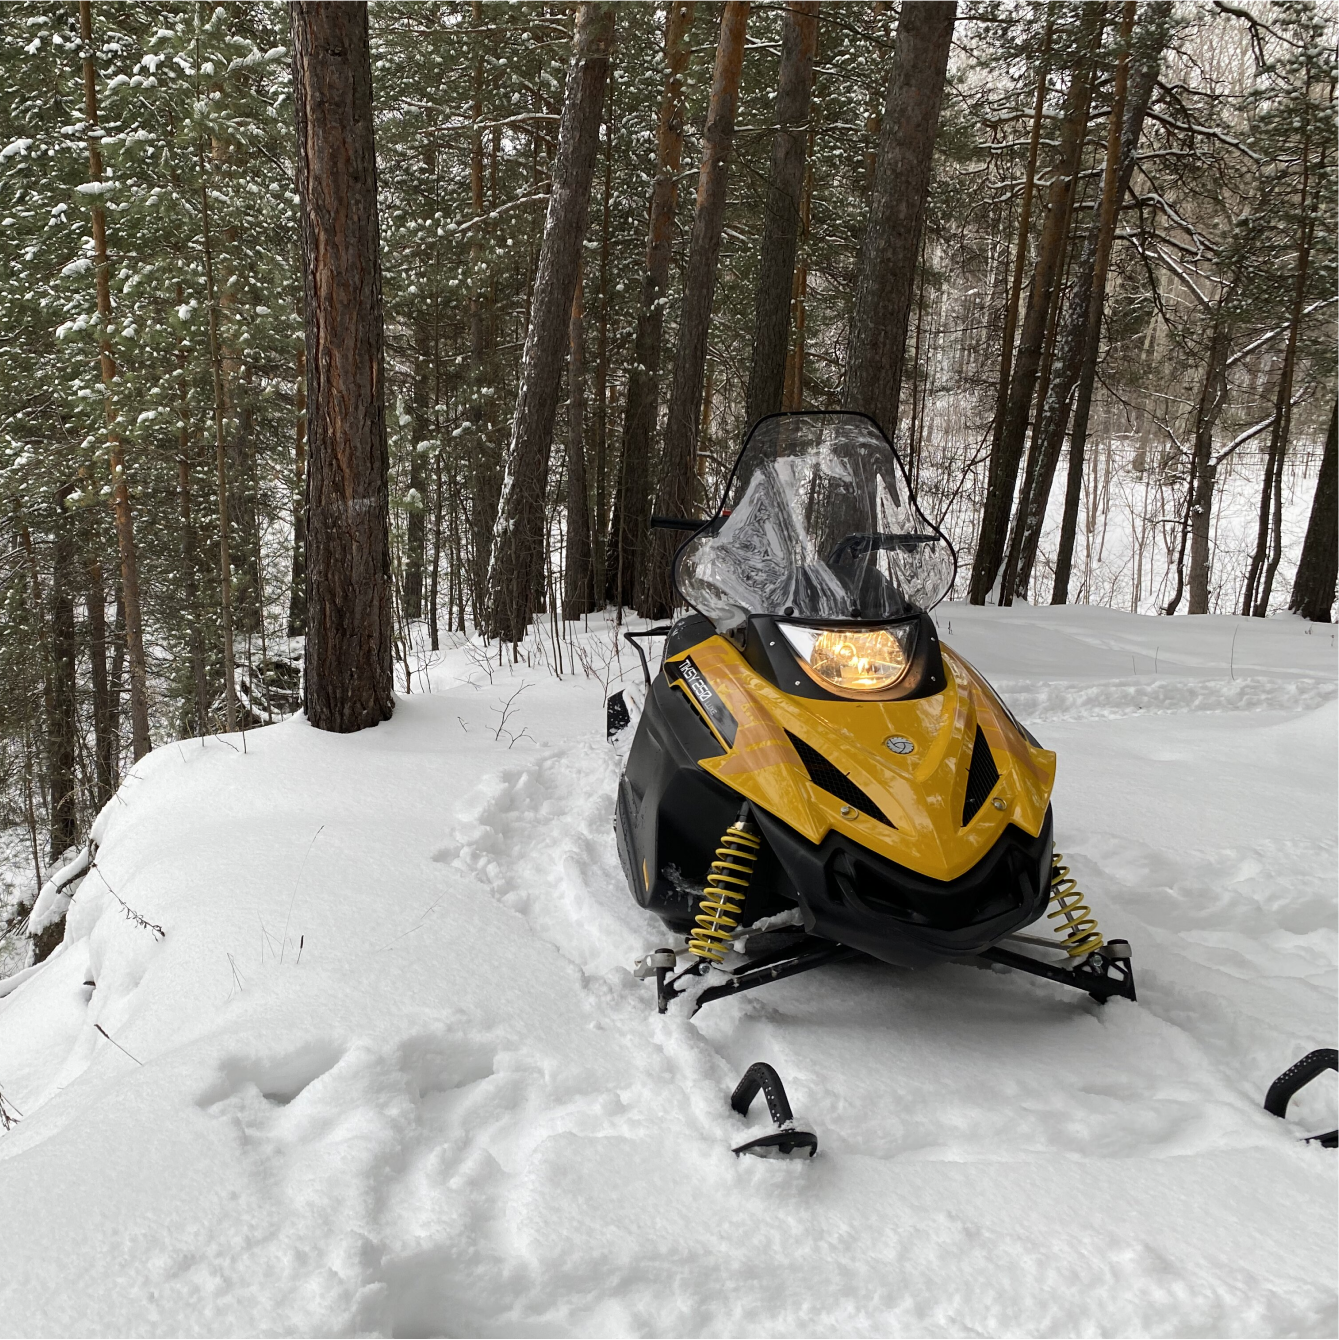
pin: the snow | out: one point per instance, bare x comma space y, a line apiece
389, 1072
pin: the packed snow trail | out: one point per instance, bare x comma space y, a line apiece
389, 1072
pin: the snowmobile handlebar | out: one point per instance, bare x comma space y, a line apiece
676, 523
660, 630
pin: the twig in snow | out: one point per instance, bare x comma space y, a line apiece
130, 914
9, 1114
283, 944
116, 1044
238, 984
1232, 656
302, 939
507, 710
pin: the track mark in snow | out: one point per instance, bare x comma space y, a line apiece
278, 1079
541, 839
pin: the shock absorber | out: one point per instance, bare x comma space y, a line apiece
722, 902
1074, 922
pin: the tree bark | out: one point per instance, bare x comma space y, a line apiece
1027, 362
599, 514
577, 570
886, 283
63, 725
220, 460
674, 496
189, 557
297, 594
349, 623
1203, 469
628, 533
1024, 231
103, 732
125, 528
518, 539
781, 224
415, 533
1318, 568
792, 397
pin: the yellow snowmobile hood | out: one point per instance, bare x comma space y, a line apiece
921, 793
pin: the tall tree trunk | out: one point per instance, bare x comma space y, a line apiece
297, 594
1149, 41
190, 592
125, 528
628, 535
515, 578
886, 282
781, 224
415, 535
793, 395
433, 633
600, 512
63, 725
103, 732
1020, 256
220, 459
577, 571
189, 557
1203, 468
349, 622
674, 496
1318, 568
1075, 364
1027, 362
486, 482
1260, 579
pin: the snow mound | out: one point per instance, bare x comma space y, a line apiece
387, 1070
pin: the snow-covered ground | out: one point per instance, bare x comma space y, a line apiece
388, 1070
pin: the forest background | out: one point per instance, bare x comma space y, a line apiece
1117, 386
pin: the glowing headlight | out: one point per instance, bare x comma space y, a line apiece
865, 659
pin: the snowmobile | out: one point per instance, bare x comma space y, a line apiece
813, 774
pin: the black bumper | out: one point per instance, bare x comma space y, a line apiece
849, 894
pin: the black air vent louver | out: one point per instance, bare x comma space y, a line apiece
981, 778
835, 782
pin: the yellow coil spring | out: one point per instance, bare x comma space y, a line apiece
1075, 924
722, 900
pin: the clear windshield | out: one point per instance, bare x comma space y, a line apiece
817, 524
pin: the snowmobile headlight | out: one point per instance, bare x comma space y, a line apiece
863, 659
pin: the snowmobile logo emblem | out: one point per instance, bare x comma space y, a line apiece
899, 744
